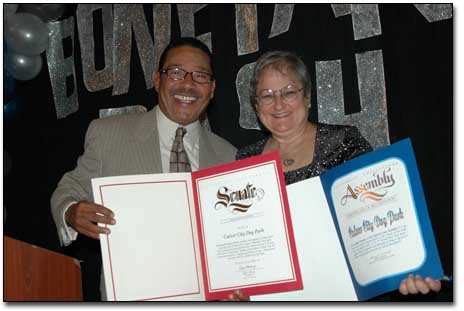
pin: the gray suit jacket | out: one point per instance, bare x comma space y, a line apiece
125, 145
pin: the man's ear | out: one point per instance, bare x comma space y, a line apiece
156, 80
213, 88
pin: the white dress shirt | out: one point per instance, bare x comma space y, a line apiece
167, 132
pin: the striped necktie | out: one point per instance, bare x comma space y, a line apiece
179, 161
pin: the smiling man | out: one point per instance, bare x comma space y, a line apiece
168, 138
184, 83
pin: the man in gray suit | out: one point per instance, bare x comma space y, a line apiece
141, 143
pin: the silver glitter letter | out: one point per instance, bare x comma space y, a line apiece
162, 31
435, 11
329, 80
59, 67
282, 19
246, 23
186, 14
341, 9
206, 39
247, 119
372, 121
95, 80
127, 16
103, 113
366, 20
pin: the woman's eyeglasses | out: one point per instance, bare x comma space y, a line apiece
287, 94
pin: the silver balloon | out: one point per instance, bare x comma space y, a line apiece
22, 67
26, 34
9, 9
46, 12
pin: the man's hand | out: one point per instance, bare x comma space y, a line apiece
415, 285
83, 218
238, 296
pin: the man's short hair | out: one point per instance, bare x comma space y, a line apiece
186, 41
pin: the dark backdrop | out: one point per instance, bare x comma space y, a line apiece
418, 63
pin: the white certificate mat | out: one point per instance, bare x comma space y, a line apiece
323, 267
155, 227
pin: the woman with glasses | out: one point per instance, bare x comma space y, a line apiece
280, 92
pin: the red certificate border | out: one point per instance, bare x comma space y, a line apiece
192, 234
294, 283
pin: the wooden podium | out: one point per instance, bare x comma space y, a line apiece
31, 273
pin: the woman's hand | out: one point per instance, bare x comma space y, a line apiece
415, 285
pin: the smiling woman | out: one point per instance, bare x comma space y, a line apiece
280, 92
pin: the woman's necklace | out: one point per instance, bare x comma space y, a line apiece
291, 158
288, 162
298, 155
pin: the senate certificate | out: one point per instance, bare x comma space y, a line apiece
244, 225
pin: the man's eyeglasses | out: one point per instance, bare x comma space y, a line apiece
287, 94
178, 74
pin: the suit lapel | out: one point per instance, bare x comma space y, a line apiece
146, 133
208, 156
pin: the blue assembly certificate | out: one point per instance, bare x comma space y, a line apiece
364, 224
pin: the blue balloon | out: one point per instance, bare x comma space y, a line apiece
12, 108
